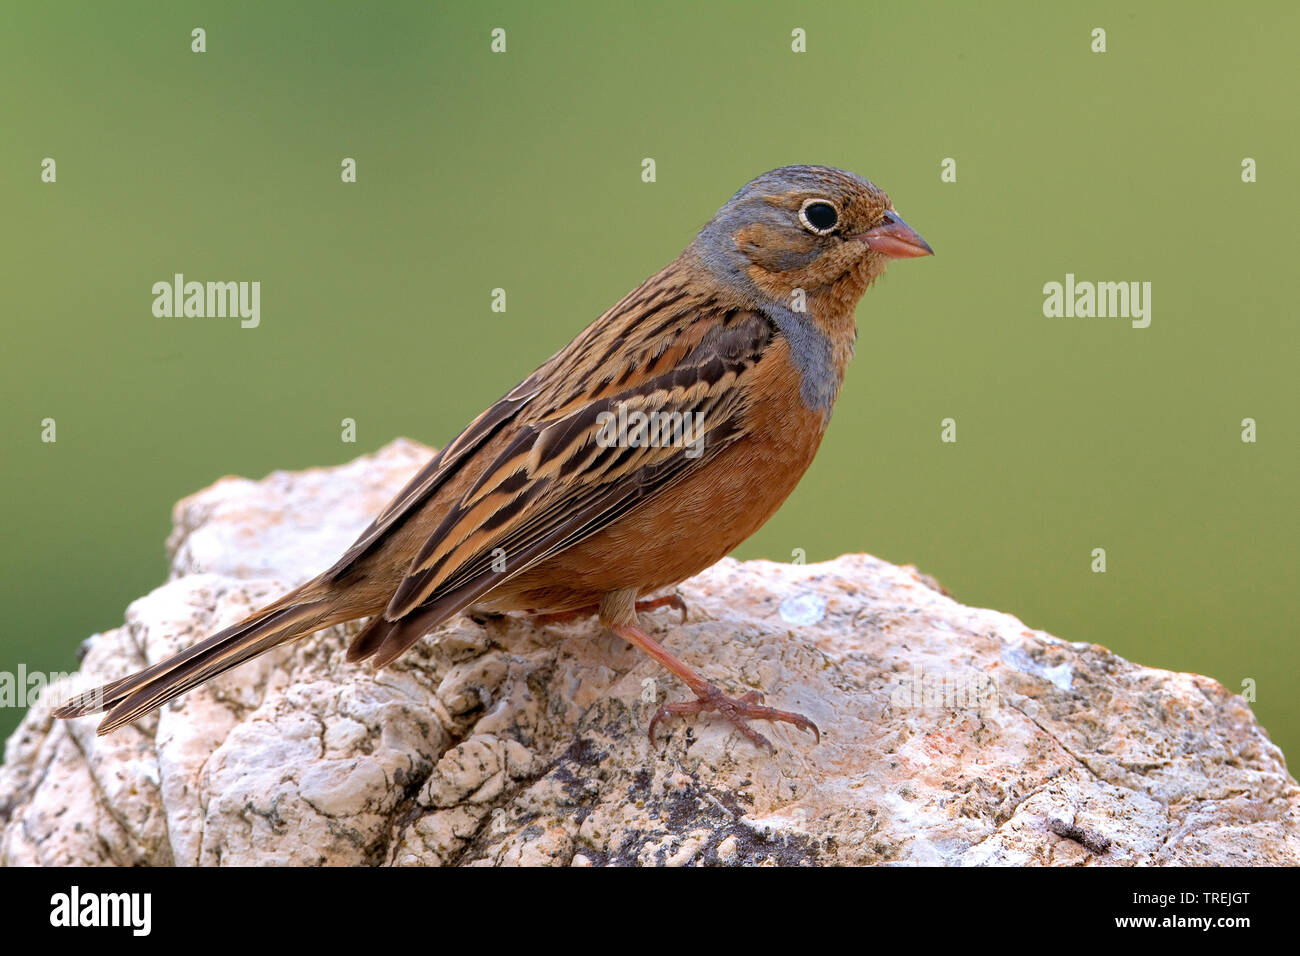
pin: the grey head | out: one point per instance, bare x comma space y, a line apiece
806, 229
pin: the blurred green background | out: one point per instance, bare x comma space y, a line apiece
479, 170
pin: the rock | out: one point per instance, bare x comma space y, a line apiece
950, 734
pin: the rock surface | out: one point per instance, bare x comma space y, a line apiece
950, 735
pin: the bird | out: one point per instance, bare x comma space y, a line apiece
641, 453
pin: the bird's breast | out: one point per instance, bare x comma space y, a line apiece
697, 521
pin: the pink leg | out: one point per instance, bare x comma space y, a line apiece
708, 697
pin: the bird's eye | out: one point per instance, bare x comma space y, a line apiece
819, 216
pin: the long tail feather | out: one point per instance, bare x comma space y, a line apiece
388, 639
368, 640
385, 640
291, 617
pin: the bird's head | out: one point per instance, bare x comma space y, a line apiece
825, 231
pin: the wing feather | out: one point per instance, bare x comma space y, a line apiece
557, 468
556, 479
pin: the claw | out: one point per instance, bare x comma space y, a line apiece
668, 600
738, 711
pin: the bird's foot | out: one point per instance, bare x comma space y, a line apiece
738, 710
673, 601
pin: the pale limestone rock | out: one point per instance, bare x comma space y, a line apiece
951, 735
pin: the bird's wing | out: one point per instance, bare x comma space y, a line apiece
561, 479
629, 330
558, 479
434, 475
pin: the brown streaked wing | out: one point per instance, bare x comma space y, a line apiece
655, 300
435, 474
555, 484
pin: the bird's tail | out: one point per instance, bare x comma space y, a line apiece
295, 615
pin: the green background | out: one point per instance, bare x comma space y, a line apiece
522, 171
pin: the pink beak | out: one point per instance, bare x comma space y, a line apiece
896, 239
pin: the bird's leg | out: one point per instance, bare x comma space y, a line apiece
669, 600
618, 613
673, 601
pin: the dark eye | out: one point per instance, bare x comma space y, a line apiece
819, 216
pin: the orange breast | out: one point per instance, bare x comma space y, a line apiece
697, 522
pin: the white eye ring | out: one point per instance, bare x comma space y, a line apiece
823, 230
